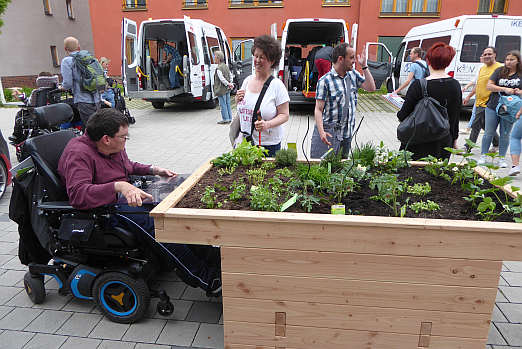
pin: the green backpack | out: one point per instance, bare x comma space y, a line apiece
91, 71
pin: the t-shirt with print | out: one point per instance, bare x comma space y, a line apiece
512, 81
417, 70
275, 95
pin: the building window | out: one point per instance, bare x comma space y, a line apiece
47, 8
54, 56
254, 3
492, 6
336, 2
134, 4
68, 5
410, 7
195, 4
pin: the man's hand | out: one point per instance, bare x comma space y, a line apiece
465, 101
231, 86
163, 172
107, 103
240, 94
324, 137
134, 196
361, 58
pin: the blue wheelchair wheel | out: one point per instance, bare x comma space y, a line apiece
121, 298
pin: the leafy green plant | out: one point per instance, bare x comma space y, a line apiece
226, 160
256, 176
268, 165
209, 198
419, 189
262, 199
318, 174
308, 201
389, 190
333, 161
365, 155
391, 160
339, 186
424, 206
286, 157
223, 171
247, 154
284, 172
238, 191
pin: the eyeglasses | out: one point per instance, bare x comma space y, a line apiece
124, 137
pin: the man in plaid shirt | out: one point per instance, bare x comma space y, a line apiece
336, 100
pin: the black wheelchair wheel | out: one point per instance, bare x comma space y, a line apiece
158, 105
34, 287
165, 308
121, 298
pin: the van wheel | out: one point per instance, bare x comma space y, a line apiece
158, 105
211, 104
389, 85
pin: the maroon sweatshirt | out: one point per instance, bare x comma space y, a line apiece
89, 175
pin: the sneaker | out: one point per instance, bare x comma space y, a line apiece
493, 150
514, 171
482, 160
222, 122
502, 163
214, 288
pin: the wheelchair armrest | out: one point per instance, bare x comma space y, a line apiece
56, 206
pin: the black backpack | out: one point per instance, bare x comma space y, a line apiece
425, 69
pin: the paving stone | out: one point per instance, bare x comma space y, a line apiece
4, 310
209, 336
7, 247
48, 321
151, 346
513, 279
181, 309
47, 341
171, 276
6, 293
513, 294
80, 343
512, 311
494, 337
174, 289
497, 315
502, 281
106, 344
19, 318
107, 329
51, 283
195, 294
205, 312
80, 305
11, 277
147, 330
53, 301
500, 297
9, 236
178, 333
79, 324
14, 339
514, 266
511, 332
4, 258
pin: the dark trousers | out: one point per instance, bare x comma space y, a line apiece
480, 124
199, 264
272, 149
86, 110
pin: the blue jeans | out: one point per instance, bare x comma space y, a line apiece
492, 122
473, 112
224, 103
516, 138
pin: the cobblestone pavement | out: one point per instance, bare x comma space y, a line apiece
182, 138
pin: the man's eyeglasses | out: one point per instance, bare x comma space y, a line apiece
124, 137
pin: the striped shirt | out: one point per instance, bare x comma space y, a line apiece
332, 89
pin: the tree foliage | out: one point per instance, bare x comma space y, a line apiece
3, 7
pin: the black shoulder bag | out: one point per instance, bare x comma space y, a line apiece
256, 109
427, 123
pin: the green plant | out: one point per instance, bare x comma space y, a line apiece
339, 186
284, 172
333, 161
238, 191
318, 174
226, 160
419, 189
247, 154
364, 155
424, 206
308, 201
223, 171
256, 176
391, 160
389, 189
286, 157
268, 165
209, 197
3, 7
263, 199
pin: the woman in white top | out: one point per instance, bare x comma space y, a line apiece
274, 109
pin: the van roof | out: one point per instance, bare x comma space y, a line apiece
314, 20
449, 24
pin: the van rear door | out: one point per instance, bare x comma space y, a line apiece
244, 59
129, 55
192, 32
379, 61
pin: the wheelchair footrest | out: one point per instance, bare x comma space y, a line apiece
52, 270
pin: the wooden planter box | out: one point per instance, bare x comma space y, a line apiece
299, 281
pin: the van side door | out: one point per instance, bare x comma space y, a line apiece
194, 84
244, 59
380, 62
129, 55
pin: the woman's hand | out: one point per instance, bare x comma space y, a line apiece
262, 125
517, 116
509, 91
240, 94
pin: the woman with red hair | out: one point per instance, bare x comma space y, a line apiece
446, 91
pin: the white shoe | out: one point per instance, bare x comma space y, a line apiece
482, 160
502, 163
493, 150
514, 171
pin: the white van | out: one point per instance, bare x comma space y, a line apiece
469, 35
146, 76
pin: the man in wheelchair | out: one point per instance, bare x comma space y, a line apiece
102, 249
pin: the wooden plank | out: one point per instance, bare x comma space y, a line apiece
435, 271
352, 317
262, 335
375, 235
357, 292
178, 193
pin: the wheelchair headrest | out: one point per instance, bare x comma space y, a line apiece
46, 150
53, 115
47, 81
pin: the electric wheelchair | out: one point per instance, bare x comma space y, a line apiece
90, 258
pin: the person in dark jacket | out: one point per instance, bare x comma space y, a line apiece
446, 90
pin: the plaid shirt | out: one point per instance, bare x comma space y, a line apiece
332, 89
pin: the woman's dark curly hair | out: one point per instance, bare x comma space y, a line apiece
504, 72
270, 47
